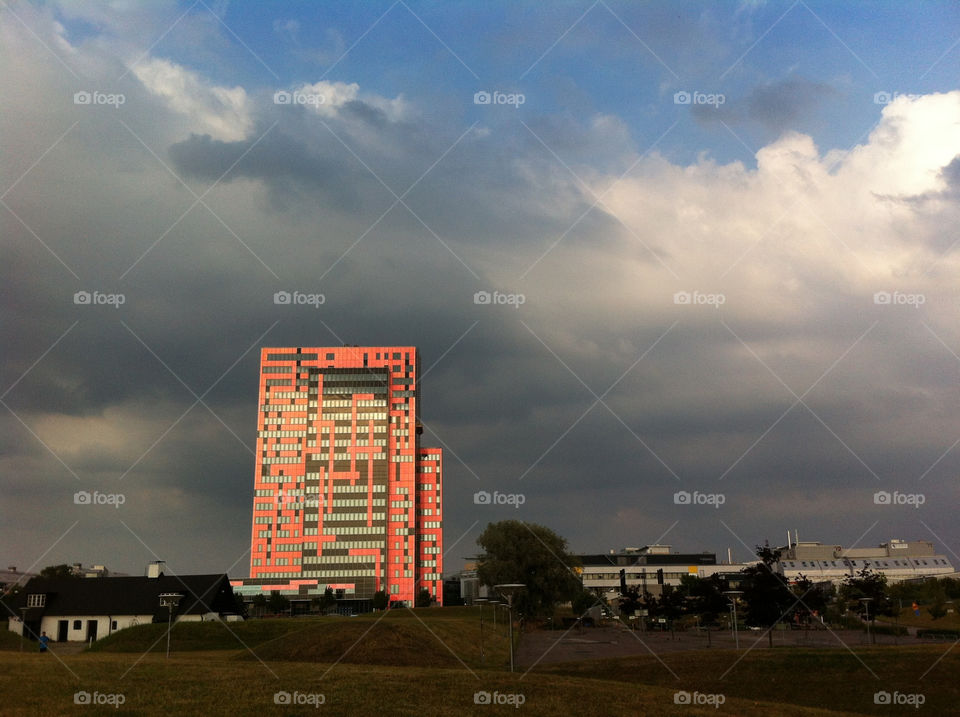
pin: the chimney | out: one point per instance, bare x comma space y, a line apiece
156, 568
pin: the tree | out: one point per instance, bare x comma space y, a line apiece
518, 552
328, 601
632, 600
766, 593
583, 602
938, 603
58, 571
705, 596
812, 599
380, 600
239, 606
259, 604
423, 598
867, 583
277, 602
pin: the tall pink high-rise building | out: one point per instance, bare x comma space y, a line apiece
345, 497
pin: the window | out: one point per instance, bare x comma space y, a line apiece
77, 625
36, 600
113, 625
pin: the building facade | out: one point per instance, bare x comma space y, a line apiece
897, 559
344, 496
650, 568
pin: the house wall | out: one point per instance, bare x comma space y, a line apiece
50, 624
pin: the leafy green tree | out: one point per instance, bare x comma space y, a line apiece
766, 592
705, 596
584, 601
812, 599
239, 605
938, 602
867, 583
259, 604
380, 600
58, 571
328, 601
632, 600
423, 599
277, 602
671, 604
518, 552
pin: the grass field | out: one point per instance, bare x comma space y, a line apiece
427, 662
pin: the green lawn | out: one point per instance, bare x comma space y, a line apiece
211, 684
800, 676
427, 662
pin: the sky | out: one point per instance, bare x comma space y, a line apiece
679, 273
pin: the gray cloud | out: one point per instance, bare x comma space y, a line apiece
797, 252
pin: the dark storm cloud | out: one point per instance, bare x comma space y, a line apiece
275, 158
778, 107
300, 212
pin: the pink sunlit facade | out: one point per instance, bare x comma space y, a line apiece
344, 495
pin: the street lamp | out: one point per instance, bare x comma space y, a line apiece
508, 590
23, 624
494, 603
733, 595
169, 601
866, 604
480, 602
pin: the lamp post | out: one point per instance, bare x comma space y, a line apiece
866, 604
508, 590
23, 624
733, 595
494, 603
480, 602
169, 601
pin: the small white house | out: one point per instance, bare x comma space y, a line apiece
78, 609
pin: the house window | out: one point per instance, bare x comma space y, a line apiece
113, 625
36, 600
77, 625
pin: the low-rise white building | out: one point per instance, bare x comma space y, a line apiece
75, 609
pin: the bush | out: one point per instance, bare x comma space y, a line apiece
888, 630
939, 632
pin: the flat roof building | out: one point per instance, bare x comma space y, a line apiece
650, 567
897, 559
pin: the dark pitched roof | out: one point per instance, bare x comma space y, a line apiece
127, 595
